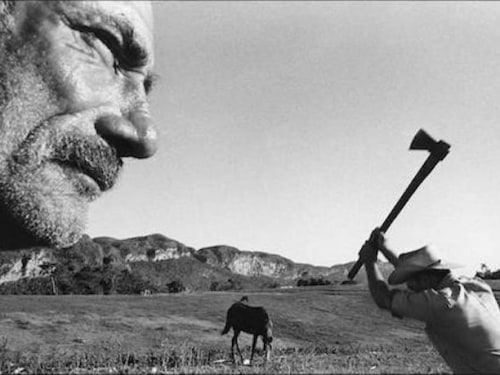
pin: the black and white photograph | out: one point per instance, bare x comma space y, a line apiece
249, 187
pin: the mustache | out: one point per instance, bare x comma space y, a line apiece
98, 160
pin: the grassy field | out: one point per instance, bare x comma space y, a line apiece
316, 330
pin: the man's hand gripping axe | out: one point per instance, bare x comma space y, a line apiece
438, 150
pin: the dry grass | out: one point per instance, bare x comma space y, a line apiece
319, 330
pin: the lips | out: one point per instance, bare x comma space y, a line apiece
90, 157
86, 159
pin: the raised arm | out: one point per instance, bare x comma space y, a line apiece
378, 239
379, 289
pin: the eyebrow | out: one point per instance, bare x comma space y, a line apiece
133, 54
130, 52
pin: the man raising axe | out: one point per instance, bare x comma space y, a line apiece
461, 314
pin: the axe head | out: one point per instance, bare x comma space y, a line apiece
423, 141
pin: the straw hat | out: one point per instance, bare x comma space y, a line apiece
425, 258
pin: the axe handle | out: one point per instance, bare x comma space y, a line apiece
423, 172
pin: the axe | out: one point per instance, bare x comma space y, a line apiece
438, 151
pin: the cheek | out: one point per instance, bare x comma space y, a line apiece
29, 102
85, 87
81, 77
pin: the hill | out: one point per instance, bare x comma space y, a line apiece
154, 263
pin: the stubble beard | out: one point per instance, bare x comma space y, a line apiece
40, 202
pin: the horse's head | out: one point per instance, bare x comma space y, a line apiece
268, 333
268, 339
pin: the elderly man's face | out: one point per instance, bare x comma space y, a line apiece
73, 83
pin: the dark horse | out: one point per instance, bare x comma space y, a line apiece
250, 319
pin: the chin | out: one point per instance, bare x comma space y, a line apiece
58, 223
59, 229
52, 213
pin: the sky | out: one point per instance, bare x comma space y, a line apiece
285, 127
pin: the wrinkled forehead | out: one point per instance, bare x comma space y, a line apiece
136, 14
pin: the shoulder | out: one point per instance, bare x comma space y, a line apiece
475, 284
456, 289
423, 297
452, 287
419, 305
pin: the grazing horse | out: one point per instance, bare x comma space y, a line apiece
250, 319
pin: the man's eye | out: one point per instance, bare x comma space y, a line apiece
116, 66
128, 54
110, 43
102, 42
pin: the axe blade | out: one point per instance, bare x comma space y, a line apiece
423, 141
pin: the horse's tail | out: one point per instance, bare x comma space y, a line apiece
227, 327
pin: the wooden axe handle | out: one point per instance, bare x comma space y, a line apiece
423, 172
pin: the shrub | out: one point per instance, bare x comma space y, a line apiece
130, 283
311, 281
175, 287
229, 284
36, 285
487, 274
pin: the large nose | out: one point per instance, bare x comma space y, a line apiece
132, 136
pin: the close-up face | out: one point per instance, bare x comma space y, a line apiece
73, 102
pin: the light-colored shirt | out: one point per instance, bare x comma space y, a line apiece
462, 321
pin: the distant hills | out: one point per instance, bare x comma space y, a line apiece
154, 263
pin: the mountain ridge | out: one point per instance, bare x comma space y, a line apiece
154, 263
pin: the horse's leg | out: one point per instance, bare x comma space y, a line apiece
235, 338
233, 342
254, 343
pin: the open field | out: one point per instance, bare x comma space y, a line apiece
335, 330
